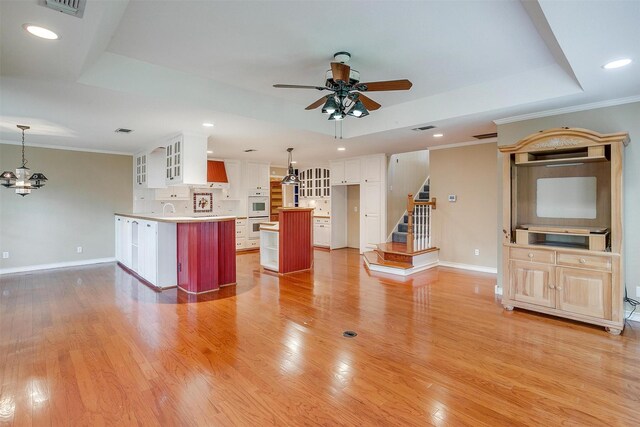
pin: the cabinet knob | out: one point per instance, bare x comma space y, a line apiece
530, 255
583, 261
552, 287
559, 288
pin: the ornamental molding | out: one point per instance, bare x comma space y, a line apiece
558, 143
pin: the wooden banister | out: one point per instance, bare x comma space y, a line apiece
411, 204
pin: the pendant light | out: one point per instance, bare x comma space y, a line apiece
23, 180
291, 178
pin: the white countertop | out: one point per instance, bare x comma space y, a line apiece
177, 219
270, 226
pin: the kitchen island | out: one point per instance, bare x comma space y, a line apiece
286, 246
196, 254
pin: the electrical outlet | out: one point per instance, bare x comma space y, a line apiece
5, 255
79, 249
476, 252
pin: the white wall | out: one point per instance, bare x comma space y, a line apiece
622, 118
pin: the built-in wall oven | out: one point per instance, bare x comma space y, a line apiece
258, 206
253, 231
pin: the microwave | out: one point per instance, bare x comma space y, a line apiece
258, 206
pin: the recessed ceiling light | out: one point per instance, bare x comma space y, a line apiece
341, 148
616, 64
209, 152
40, 32
207, 125
438, 135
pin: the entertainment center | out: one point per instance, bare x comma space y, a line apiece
562, 216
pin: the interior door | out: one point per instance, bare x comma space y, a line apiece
370, 215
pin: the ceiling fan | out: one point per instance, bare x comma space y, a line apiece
346, 97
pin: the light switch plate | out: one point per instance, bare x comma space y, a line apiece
5, 255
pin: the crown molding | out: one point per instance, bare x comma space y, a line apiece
566, 110
61, 147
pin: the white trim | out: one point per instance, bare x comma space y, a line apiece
55, 265
399, 271
61, 147
480, 268
565, 110
463, 144
635, 317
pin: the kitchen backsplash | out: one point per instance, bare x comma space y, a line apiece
144, 202
322, 206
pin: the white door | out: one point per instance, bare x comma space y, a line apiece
150, 232
119, 221
337, 172
352, 171
370, 202
125, 242
141, 247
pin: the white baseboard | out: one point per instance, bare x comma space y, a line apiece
498, 290
469, 267
55, 265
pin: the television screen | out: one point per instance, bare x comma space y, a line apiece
568, 197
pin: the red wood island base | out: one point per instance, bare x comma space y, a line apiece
206, 255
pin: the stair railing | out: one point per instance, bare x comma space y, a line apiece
419, 223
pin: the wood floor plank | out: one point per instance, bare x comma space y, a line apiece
93, 346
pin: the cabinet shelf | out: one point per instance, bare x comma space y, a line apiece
562, 157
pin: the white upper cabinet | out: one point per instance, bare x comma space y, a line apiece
345, 172
257, 176
186, 160
372, 168
140, 169
315, 182
148, 168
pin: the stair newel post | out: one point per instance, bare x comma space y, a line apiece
410, 222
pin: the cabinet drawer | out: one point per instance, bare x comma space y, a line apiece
584, 261
535, 255
241, 222
240, 244
253, 243
241, 231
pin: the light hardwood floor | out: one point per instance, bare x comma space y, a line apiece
92, 346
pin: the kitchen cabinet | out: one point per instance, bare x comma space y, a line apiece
371, 214
148, 248
345, 172
241, 234
185, 156
257, 176
372, 168
533, 283
585, 292
148, 168
315, 182
322, 232
173, 193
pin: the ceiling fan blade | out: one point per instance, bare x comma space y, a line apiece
318, 103
340, 72
386, 85
299, 87
368, 102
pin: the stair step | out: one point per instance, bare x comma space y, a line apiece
399, 236
423, 196
426, 188
405, 219
374, 258
403, 227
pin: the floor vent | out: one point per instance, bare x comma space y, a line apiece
420, 129
70, 7
123, 130
250, 150
349, 334
486, 135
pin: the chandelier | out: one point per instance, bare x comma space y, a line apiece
23, 180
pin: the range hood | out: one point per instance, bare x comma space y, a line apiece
217, 174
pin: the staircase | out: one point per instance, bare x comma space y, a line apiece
400, 235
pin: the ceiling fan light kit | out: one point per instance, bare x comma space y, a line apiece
347, 98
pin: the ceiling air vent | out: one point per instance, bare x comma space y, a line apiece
70, 7
423, 128
250, 150
123, 130
486, 135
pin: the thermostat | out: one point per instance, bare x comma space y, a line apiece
453, 197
